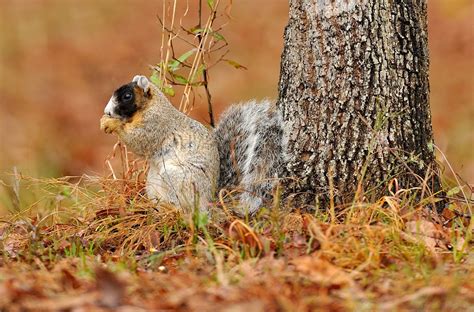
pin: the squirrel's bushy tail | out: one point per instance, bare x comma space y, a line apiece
251, 151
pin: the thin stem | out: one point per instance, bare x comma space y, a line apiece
205, 75
208, 94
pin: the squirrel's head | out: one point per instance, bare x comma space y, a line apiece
129, 98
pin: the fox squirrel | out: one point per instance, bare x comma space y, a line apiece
189, 162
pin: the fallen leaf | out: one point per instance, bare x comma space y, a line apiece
252, 306
322, 272
429, 233
111, 289
69, 280
60, 303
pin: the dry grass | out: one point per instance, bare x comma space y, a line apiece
96, 243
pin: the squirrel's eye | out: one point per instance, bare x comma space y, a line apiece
127, 96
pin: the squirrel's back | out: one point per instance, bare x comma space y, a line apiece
251, 150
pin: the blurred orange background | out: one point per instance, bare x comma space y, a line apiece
60, 61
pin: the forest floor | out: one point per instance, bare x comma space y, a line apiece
95, 244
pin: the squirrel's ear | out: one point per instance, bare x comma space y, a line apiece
142, 82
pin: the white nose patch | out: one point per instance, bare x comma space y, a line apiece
109, 108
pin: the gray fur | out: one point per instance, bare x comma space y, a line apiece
251, 151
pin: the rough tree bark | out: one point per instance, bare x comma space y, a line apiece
354, 95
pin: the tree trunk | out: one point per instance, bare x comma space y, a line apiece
354, 94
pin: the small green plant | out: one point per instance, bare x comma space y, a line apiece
189, 52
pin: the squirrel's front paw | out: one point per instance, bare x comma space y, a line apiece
109, 124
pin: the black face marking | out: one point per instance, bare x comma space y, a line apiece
125, 98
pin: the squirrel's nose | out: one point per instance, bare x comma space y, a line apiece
109, 107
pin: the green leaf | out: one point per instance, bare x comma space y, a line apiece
169, 90
66, 191
234, 64
186, 55
218, 36
196, 30
155, 78
210, 3
175, 64
455, 190
180, 79
201, 219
